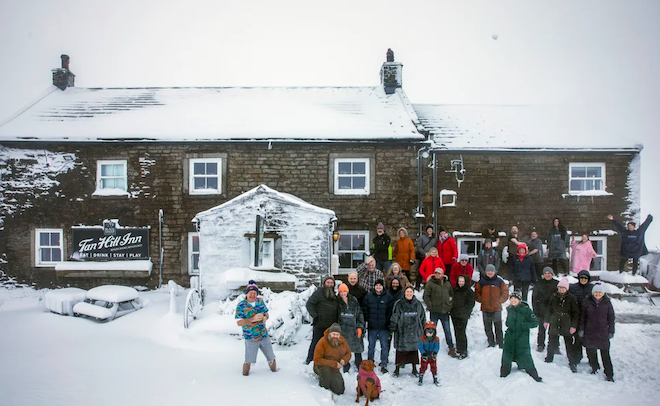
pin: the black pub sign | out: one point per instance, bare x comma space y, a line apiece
107, 243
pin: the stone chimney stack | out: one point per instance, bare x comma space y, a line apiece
390, 73
63, 77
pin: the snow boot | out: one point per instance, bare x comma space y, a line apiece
346, 368
396, 371
462, 355
540, 348
435, 380
594, 371
534, 374
557, 351
246, 369
421, 379
573, 368
414, 371
452, 352
504, 371
273, 365
383, 370
609, 378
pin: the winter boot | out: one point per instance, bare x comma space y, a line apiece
540, 348
414, 370
534, 374
421, 379
609, 378
557, 351
396, 371
273, 365
246, 369
573, 368
435, 380
346, 368
383, 370
594, 371
462, 355
452, 352
504, 371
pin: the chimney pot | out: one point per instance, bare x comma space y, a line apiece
65, 61
63, 77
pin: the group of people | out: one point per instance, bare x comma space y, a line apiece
384, 306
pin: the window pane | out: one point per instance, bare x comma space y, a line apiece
45, 255
578, 172
359, 182
345, 242
195, 261
359, 168
44, 239
120, 184
106, 170
597, 264
577, 185
344, 183
195, 244
211, 183
199, 168
598, 185
598, 246
594, 172
345, 260
589, 185
55, 239
211, 168
358, 242
344, 168
56, 254
199, 183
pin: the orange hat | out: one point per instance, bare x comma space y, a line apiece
343, 288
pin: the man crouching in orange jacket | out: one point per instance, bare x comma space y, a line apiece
331, 353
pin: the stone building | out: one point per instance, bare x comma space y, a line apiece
156, 157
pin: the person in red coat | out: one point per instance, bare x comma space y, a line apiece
462, 267
430, 263
447, 249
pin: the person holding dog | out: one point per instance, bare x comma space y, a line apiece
351, 321
252, 314
429, 345
330, 355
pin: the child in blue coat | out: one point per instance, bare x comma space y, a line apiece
429, 345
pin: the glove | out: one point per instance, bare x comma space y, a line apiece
412, 262
359, 332
546, 325
572, 330
611, 336
425, 358
434, 355
581, 333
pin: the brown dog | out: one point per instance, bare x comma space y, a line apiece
368, 383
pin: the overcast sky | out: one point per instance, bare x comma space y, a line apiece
599, 55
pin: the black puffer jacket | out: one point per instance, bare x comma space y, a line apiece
322, 309
543, 290
580, 291
463, 302
377, 310
563, 313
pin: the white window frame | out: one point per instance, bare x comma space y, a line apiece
99, 178
268, 253
365, 251
37, 246
192, 253
571, 165
604, 254
191, 176
367, 181
472, 258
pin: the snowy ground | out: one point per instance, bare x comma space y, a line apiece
147, 358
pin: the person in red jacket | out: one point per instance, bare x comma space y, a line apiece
429, 265
462, 267
447, 249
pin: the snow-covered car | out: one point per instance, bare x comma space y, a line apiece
105, 303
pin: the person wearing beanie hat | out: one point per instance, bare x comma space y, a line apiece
491, 291
519, 320
582, 291
381, 248
252, 314
322, 306
462, 267
351, 321
377, 308
487, 256
331, 353
562, 320
596, 329
424, 244
544, 288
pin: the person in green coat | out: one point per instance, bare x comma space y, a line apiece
520, 318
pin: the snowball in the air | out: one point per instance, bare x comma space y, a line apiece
495, 36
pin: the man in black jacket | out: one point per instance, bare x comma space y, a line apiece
543, 289
632, 242
581, 290
354, 287
377, 309
381, 249
323, 307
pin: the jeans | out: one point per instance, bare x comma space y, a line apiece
493, 319
446, 327
624, 261
382, 336
592, 354
317, 334
523, 287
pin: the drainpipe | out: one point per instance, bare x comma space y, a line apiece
419, 215
160, 247
435, 193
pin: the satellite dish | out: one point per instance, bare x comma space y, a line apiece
495, 36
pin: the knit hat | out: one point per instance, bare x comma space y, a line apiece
335, 328
598, 287
342, 288
326, 278
488, 240
379, 282
252, 285
463, 257
550, 270
563, 283
380, 226
517, 294
491, 267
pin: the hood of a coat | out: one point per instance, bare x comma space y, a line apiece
584, 272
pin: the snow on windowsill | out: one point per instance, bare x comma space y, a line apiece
587, 193
110, 192
465, 234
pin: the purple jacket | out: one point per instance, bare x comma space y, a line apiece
597, 322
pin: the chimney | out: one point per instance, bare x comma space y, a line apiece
390, 73
63, 77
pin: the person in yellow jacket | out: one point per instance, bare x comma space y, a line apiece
381, 249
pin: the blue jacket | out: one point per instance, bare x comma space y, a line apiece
427, 347
632, 242
377, 310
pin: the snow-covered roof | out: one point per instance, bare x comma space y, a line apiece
215, 114
515, 128
272, 193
